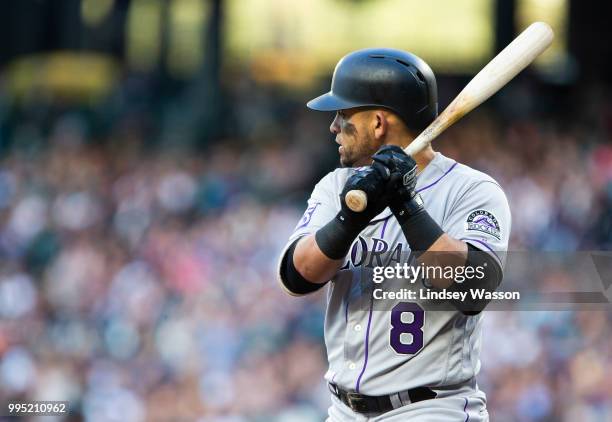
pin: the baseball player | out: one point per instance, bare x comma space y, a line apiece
406, 363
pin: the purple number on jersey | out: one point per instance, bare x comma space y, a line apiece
414, 328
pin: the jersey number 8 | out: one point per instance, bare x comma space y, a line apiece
407, 337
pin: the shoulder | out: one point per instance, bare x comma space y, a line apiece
471, 177
461, 175
478, 189
334, 180
327, 190
467, 183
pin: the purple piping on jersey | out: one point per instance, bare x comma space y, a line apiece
382, 232
373, 222
367, 340
440, 178
485, 244
464, 409
346, 304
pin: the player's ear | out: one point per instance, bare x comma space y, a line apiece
380, 124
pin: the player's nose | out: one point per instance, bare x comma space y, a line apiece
335, 126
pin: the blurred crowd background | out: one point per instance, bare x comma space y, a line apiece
155, 155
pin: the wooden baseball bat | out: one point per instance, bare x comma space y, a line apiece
497, 73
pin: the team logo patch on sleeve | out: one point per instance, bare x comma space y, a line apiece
307, 215
483, 221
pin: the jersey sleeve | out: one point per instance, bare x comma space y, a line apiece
322, 206
481, 217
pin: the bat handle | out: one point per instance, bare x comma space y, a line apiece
356, 200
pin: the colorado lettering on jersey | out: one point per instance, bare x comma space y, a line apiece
376, 254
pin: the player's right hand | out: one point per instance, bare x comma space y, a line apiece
335, 238
373, 181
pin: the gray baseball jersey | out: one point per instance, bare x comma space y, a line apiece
380, 353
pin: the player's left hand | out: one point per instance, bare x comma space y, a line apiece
402, 169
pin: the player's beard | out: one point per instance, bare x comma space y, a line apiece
357, 151
346, 157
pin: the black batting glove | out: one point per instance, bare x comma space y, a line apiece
420, 230
400, 189
373, 181
335, 238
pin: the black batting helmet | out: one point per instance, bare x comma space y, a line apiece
383, 77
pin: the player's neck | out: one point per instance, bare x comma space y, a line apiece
424, 157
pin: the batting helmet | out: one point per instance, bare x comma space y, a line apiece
383, 77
